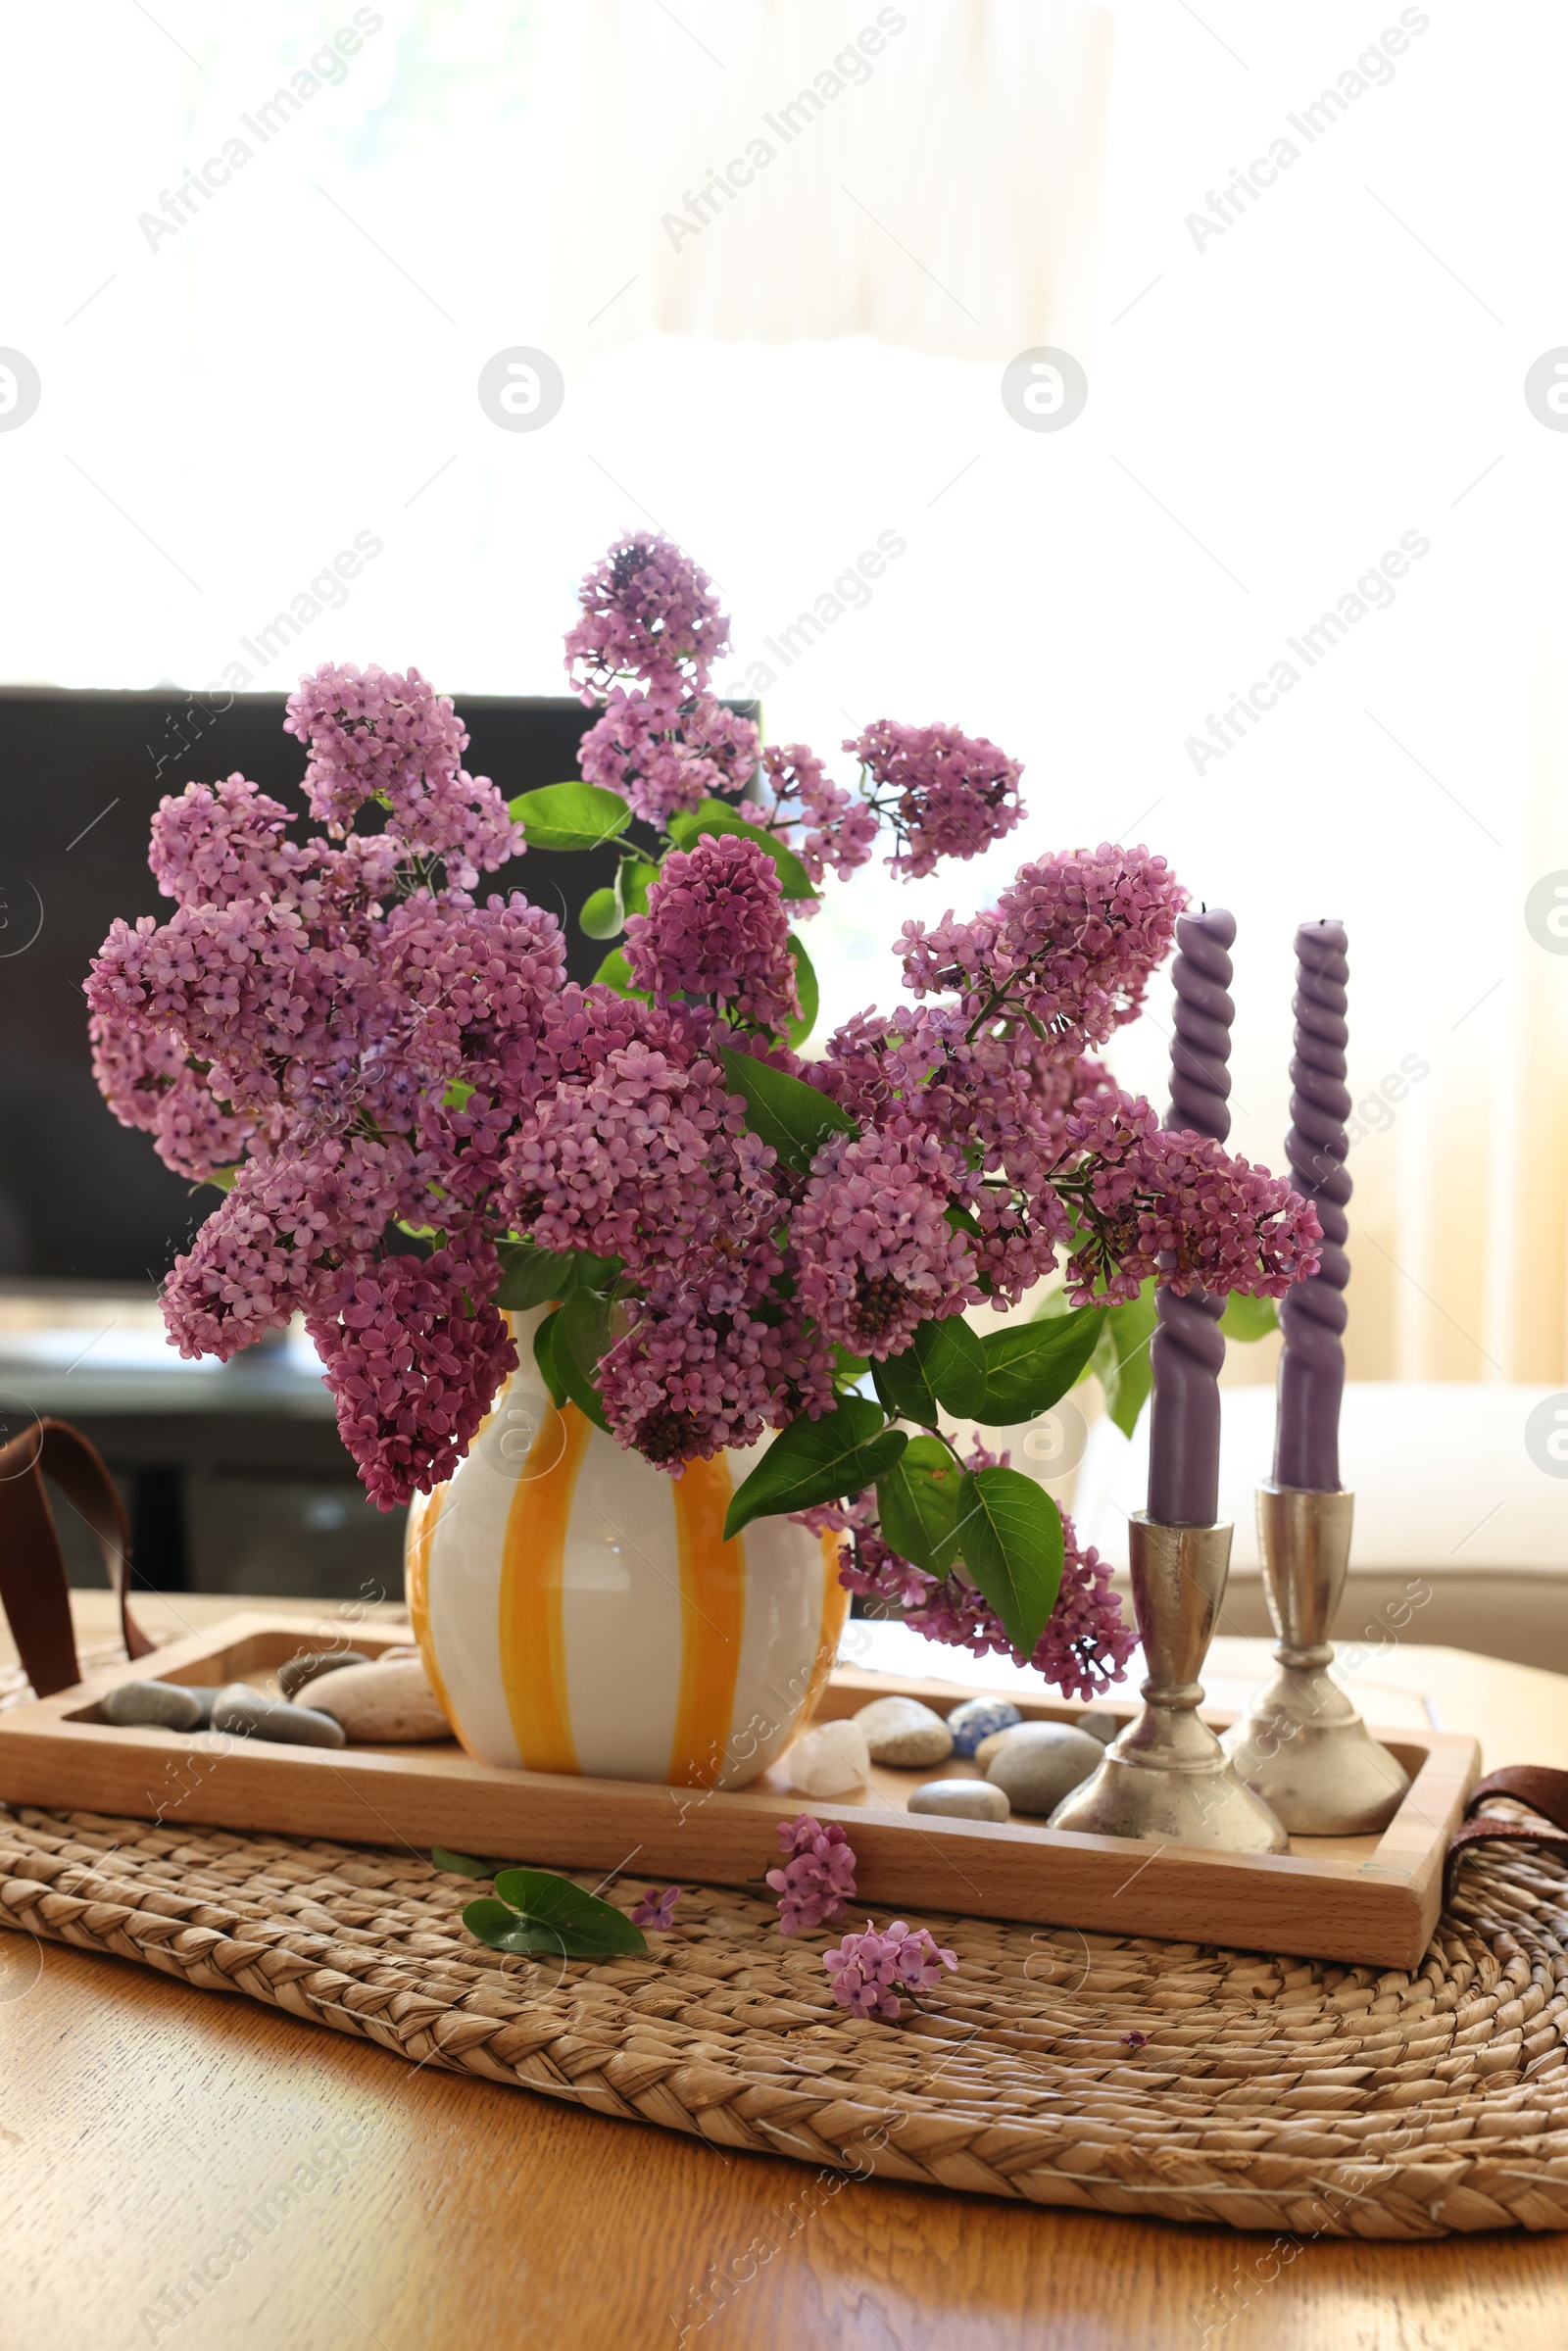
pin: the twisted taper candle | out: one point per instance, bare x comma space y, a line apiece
1187, 1350
1306, 1445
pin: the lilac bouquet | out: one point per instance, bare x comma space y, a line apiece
417, 1123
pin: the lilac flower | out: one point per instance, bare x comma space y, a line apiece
818, 1875
713, 1362
864, 1968
393, 739
217, 842
667, 753
1134, 2039
657, 1909
1070, 946
414, 1352
646, 1160
842, 828
1084, 1647
146, 1078
648, 612
715, 926
1166, 1205
878, 1255
947, 793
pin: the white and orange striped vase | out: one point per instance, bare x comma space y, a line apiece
580, 1611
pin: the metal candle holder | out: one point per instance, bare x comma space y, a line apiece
1167, 1776
1303, 1746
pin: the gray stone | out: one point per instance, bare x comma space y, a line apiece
1039, 1763
163, 1706
204, 1693
246, 1713
292, 1677
900, 1730
961, 1801
1100, 1723
976, 1718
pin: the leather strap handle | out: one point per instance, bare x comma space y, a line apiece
1545, 1791
34, 1588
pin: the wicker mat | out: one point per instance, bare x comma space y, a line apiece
1103, 2072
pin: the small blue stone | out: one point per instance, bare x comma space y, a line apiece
977, 1718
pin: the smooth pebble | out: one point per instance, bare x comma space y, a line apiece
962, 1800
830, 1760
1100, 1723
899, 1730
165, 1705
381, 1704
1039, 1763
293, 1676
976, 1718
246, 1713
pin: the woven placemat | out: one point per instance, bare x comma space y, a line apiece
1109, 2072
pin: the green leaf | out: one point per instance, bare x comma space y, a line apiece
506, 1930
953, 1363
544, 1354
1010, 1532
461, 1865
917, 1504
905, 1388
1248, 1318
222, 1178
616, 972
1121, 1361
806, 988
529, 1276
570, 815
633, 879
581, 1338
600, 915
713, 817
785, 1112
457, 1095
546, 1900
848, 1368
1030, 1367
818, 1462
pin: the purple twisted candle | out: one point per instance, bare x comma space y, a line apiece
1186, 1349
1307, 1444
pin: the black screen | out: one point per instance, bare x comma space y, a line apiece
81, 775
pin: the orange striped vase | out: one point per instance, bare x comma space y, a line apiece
580, 1611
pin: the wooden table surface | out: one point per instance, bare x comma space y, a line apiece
145, 2126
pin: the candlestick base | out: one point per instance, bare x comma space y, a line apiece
1167, 1776
1302, 1746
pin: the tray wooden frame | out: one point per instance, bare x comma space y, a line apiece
1370, 1900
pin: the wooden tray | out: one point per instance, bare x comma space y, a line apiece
1372, 1900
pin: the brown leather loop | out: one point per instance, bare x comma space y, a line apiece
34, 1588
1536, 1784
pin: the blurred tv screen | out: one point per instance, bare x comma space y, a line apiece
82, 1197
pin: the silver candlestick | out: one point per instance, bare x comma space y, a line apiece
1167, 1776
1303, 1746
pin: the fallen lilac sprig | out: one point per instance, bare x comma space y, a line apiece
818, 1875
657, 1909
864, 1968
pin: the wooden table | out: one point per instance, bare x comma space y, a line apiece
143, 2124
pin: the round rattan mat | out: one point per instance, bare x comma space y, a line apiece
1108, 2073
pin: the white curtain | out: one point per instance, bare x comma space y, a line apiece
794, 170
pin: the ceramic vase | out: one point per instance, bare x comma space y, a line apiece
581, 1612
